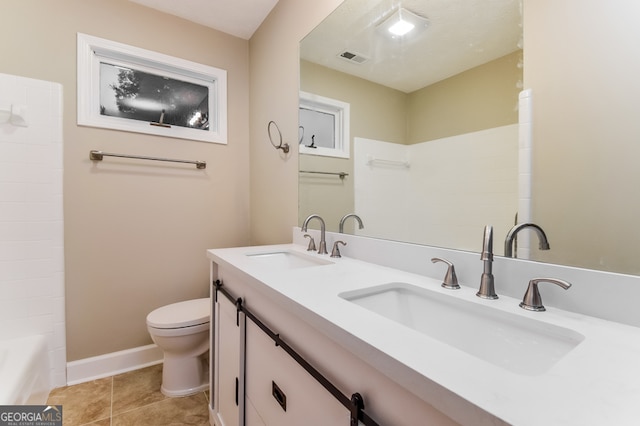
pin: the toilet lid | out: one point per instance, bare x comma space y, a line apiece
181, 314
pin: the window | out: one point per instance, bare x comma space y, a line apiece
324, 126
126, 88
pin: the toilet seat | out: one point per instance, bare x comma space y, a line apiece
180, 315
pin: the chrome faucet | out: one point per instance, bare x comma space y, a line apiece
322, 249
347, 216
509, 239
487, 290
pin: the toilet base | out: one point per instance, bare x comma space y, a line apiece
184, 376
188, 392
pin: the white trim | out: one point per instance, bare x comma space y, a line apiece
98, 367
341, 111
91, 49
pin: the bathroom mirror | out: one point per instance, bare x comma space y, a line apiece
585, 129
433, 120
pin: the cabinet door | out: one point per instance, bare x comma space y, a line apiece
252, 417
282, 392
228, 387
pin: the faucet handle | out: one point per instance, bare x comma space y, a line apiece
532, 300
312, 244
450, 279
336, 251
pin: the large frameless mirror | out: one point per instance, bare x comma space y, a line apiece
424, 106
434, 119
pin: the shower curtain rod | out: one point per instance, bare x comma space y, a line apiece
96, 155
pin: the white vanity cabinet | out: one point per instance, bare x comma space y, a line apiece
268, 374
227, 360
408, 375
255, 382
281, 391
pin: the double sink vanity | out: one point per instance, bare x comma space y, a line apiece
378, 323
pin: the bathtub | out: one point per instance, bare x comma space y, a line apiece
24, 371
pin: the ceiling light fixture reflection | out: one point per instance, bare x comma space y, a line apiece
402, 23
400, 28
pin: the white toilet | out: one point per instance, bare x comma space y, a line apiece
181, 330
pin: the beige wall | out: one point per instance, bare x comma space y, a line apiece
377, 112
274, 96
481, 98
135, 233
582, 61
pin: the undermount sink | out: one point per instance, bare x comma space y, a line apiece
516, 343
287, 260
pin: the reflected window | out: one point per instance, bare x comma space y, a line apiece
324, 126
319, 128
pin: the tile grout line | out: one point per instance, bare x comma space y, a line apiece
111, 405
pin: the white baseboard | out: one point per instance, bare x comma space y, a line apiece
98, 367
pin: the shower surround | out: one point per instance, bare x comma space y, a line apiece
32, 290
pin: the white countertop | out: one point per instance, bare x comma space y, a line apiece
596, 383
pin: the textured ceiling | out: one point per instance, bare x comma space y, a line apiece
461, 34
240, 18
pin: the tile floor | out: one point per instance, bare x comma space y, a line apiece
129, 399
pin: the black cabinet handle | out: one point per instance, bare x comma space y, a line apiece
279, 395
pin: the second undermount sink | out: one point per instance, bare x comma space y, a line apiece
513, 342
286, 259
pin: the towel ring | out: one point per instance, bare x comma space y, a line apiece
284, 147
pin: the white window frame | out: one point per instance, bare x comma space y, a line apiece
92, 50
341, 112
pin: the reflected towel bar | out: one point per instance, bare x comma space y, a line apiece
372, 161
97, 156
341, 174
